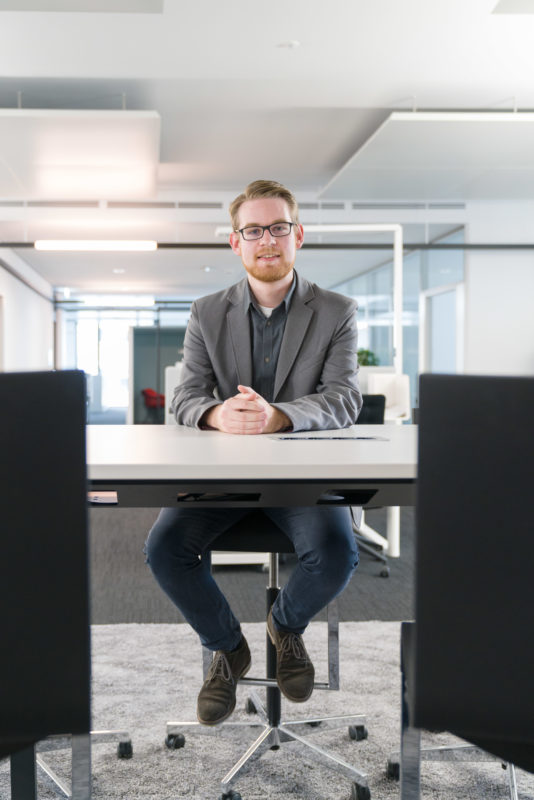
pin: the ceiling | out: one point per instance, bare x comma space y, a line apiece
327, 98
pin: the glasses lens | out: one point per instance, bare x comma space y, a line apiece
280, 228
252, 232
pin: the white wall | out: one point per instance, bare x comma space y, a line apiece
499, 333
27, 319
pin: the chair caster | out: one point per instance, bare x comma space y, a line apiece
384, 572
393, 770
358, 733
231, 795
360, 792
175, 740
125, 749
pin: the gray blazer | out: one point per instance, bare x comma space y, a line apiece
316, 382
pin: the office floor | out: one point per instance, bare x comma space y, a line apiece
123, 589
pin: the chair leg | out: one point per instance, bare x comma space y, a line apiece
372, 543
80, 786
512, 785
410, 754
23, 774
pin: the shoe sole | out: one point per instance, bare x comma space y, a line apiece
293, 699
231, 710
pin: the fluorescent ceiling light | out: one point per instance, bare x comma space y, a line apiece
94, 245
78, 154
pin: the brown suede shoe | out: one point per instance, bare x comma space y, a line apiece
294, 670
216, 699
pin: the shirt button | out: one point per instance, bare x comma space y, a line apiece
267, 359
269, 324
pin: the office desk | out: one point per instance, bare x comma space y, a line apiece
163, 465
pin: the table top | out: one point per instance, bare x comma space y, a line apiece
175, 452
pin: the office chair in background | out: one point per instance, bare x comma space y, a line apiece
258, 533
372, 413
468, 661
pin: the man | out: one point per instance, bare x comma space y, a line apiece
271, 353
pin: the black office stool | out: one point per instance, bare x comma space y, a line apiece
257, 533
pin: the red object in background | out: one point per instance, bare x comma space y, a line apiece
153, 399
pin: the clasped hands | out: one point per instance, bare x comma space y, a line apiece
246, 413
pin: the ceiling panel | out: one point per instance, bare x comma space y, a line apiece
442, 156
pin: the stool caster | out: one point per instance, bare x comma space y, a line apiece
393, 770
175, 740
358, 732
360, 792
231, 795
125, 749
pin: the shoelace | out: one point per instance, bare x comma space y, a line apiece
220, 668
292, 645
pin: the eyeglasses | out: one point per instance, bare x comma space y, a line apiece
277, 229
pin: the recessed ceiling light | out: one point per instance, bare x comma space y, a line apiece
119, 271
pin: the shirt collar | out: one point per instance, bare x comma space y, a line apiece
250, 300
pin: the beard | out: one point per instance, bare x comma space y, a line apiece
269, 273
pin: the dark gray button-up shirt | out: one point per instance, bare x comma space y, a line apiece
266, 337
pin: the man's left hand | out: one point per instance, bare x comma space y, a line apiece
276, 419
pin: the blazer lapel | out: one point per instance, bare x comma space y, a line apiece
298, 321
239, 329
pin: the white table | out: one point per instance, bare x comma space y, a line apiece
163, 465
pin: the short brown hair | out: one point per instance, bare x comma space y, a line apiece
259, 189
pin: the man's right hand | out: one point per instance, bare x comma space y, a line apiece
244, 413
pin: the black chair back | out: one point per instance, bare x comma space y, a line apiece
474, 648
45, 664
373, 409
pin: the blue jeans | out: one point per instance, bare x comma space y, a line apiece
323, 540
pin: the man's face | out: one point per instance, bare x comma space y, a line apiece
270, 258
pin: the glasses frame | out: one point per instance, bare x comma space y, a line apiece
267, 228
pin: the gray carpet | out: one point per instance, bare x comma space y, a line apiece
144, 674
123, 589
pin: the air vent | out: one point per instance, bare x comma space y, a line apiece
63, 204
322, 206
133, 204
200, 206
388, 206
447, 206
